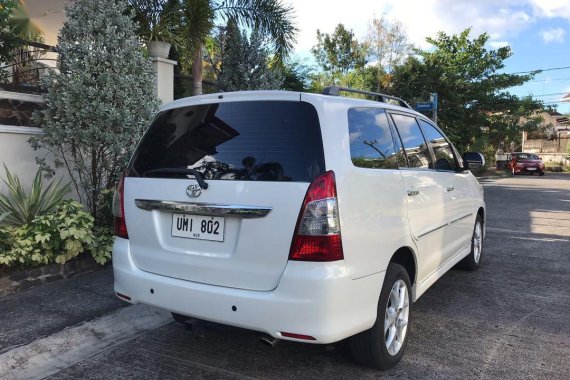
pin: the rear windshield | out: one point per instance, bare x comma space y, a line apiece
246, 141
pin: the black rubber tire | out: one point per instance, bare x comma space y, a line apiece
469, 263
541, 173
180, 318
368, 347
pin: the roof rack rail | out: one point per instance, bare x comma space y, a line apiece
334, 91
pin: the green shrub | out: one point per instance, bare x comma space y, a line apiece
103, 245
22, 207
53, 237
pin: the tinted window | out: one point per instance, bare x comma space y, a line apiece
414, 144
444, 157
250, 141
371, 143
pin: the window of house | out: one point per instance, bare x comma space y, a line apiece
371, 142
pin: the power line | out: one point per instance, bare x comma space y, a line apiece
549, 80
553, 102
537, 71
557, 93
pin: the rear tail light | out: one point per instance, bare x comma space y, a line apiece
317, 234
119, 210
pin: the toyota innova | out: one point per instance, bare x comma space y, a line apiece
311, 218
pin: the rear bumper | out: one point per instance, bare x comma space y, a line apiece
316, 299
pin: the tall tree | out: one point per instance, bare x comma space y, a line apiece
339, 52
241, 61
296, 75
388, 46
100, 100
474, 104
270, 17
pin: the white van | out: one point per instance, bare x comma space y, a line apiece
311, 218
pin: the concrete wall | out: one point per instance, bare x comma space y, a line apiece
555, 158
19, 157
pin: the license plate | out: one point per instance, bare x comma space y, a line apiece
198, 227
530, 168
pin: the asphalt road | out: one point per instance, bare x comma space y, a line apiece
510, 319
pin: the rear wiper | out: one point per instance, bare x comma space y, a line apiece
193, 172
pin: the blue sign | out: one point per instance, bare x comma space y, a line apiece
424, 106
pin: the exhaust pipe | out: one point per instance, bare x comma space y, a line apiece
269, 340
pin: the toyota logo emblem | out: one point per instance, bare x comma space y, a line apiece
194, 191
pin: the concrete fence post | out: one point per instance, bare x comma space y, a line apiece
164, 70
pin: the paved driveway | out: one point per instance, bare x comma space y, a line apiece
510, 319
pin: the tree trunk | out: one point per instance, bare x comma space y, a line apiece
197, 71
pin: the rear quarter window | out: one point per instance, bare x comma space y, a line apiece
246, 141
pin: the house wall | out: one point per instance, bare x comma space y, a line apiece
17, 154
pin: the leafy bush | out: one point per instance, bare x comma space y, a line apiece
54, 237
24, 207
103, 245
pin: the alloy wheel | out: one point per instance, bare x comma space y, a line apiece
477, 242
396, 317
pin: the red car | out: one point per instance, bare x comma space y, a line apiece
525, 163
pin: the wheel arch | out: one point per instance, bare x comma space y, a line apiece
406, 257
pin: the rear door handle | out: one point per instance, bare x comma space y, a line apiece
450, 189
411, 193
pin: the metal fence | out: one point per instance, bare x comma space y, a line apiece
29, 62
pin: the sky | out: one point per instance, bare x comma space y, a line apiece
538, 31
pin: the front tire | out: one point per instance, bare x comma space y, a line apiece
383, 345
473, 260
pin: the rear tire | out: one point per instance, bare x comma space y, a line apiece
541, 173
180, 318
383, 345
473, 260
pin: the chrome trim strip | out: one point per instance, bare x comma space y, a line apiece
460, 218
208, 209
443, 225
432, 230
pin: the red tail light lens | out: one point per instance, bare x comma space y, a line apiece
297, 336
119, 210
317, 234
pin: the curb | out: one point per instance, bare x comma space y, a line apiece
12, 282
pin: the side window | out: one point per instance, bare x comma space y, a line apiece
371, 143
442, 149
414, 144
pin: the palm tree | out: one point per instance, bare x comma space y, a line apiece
270, 17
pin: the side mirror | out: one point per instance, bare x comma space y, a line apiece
473, 160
